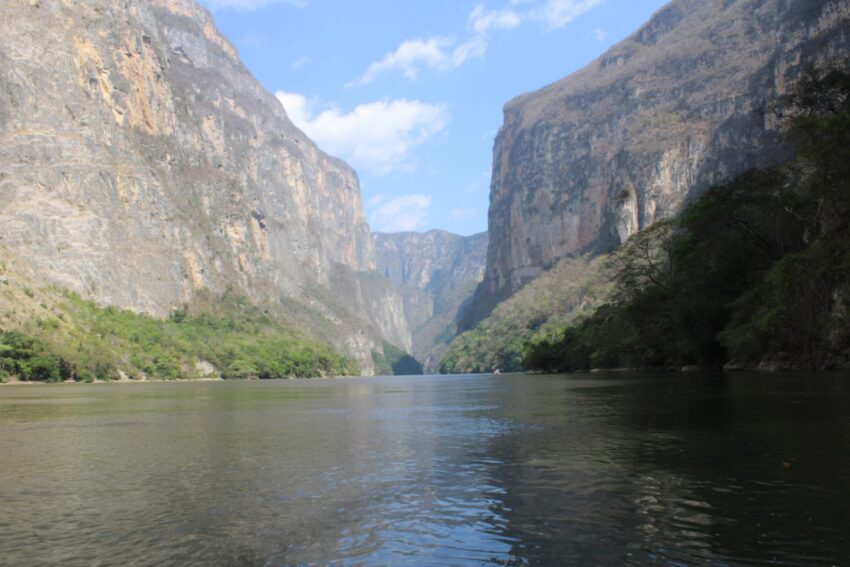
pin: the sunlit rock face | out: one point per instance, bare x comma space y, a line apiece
436, 272
140, 162
681, 104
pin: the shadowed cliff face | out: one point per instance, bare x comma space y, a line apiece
583, 164
140, 162
436, 273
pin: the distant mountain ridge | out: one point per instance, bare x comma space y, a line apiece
436, 273
140, 162
584, 163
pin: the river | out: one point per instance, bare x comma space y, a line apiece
456, 470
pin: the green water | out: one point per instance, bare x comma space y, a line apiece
466, 470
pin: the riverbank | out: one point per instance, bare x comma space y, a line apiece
128, 381
84, 342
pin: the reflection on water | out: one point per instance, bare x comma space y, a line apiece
516, 470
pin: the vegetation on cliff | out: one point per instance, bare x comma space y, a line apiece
583, 163
755, 272
571, 289
227, 337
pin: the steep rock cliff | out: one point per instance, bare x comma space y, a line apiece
584, 163
436, 272
140, 162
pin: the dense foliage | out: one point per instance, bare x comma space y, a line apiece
756, 271
395, 362
236, 340
29, 359
571, 288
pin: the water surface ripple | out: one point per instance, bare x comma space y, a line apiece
464, 470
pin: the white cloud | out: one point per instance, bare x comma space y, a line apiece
378, 137
249, 5
436, 53
442, 53
298, 107
482, 21
599, 34
554, 14
474, 48
402, 214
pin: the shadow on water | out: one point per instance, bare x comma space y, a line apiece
723, 470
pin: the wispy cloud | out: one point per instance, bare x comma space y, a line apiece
300, 62
483, 21
442, 53
249, 5
599, 34
402, 214
378, 137
555, 14
412, 56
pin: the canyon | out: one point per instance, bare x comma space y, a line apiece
142, 166
436, 273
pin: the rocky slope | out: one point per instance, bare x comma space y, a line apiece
562, 295
584, 163
141, 162
436, 273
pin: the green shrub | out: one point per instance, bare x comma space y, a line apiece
94, 343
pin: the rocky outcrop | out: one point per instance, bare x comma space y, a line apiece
436, 272
683, 103
140, 162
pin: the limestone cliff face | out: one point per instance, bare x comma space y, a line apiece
584, 163
436, 272
140, 161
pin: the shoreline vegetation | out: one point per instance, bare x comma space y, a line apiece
754, 275
222, 338
763, 369
127, 381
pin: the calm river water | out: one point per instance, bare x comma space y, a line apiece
463, 470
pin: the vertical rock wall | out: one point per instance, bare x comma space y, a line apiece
140, 161
584, 163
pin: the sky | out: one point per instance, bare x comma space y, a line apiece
410, 92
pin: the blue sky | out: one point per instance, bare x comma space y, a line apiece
410, 92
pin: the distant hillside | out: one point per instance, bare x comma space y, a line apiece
436, 272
